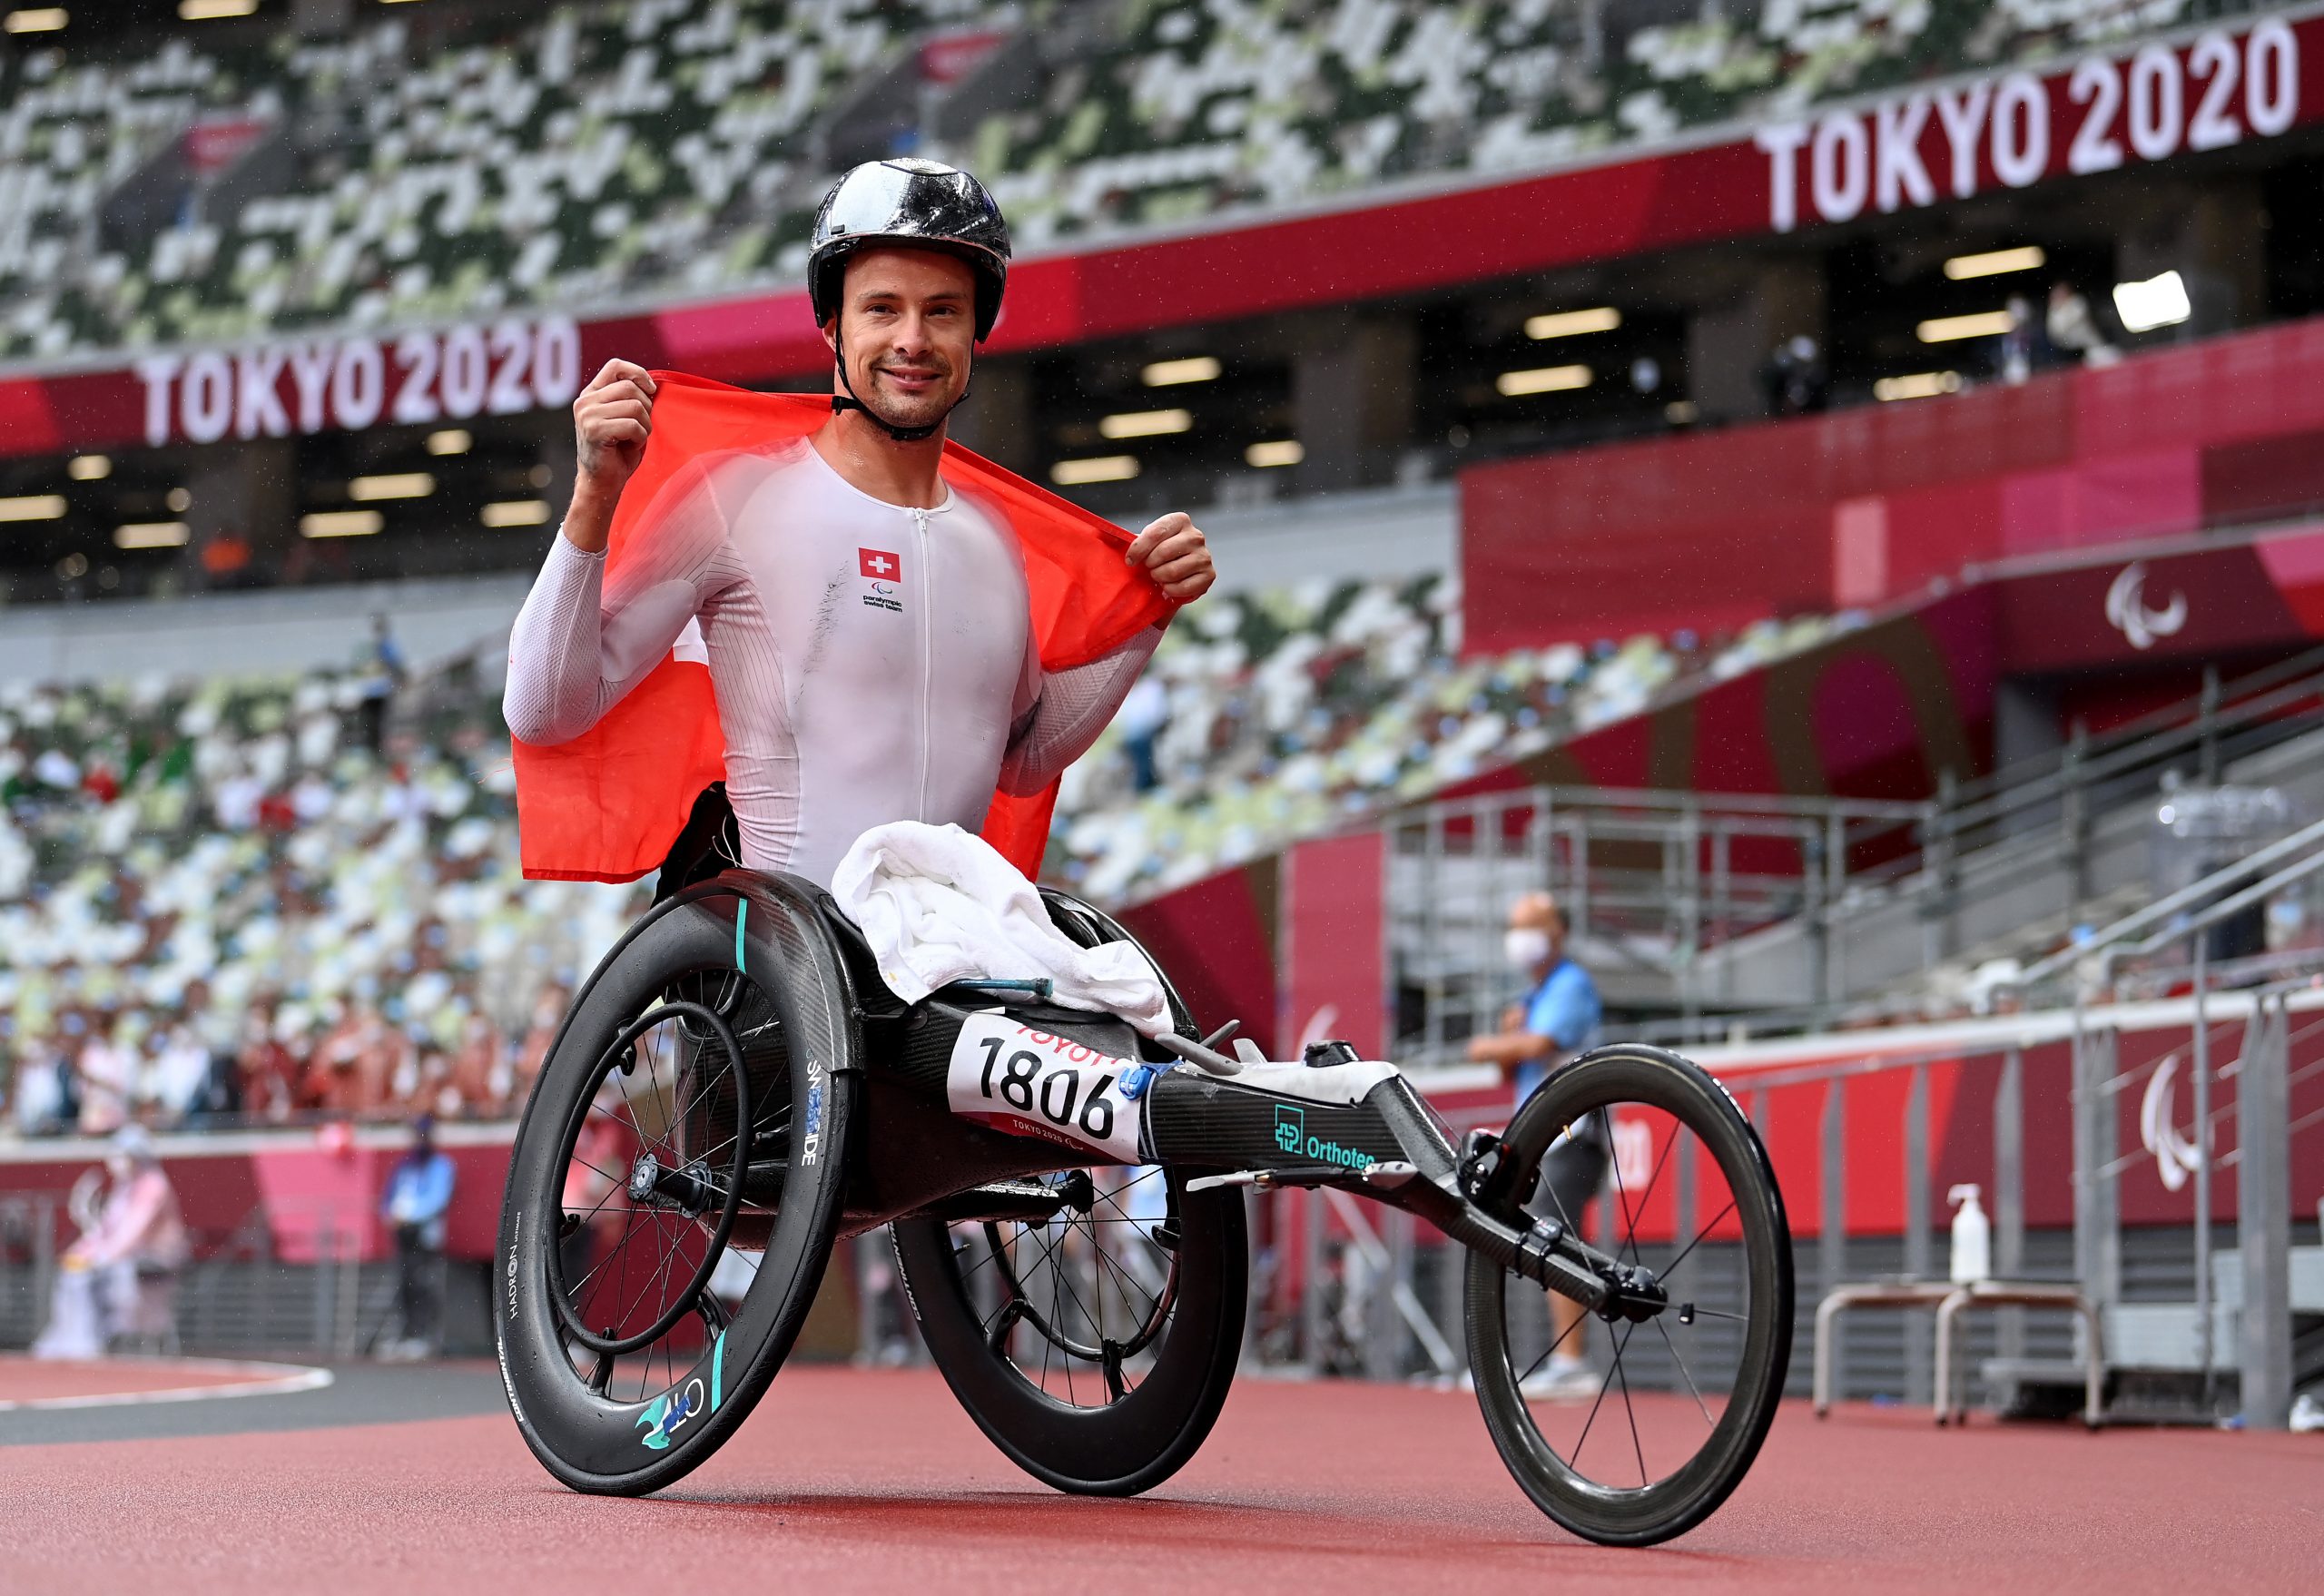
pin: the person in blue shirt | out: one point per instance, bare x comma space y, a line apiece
1559, 1016
417, 1200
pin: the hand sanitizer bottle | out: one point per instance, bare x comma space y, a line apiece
1973, 1237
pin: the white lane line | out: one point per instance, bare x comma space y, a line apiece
270, 1380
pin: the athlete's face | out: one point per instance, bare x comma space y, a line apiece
908, 320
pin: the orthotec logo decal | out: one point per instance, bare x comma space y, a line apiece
1291, 1137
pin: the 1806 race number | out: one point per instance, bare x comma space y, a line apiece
1029, 1082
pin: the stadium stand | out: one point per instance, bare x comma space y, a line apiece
225, 866
601, 156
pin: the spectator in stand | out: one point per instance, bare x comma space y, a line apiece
540, 1035
106, 1073
354, 1071
331, 1070
480, 1072
380, 673
1794, 378
2019, 346
270, 1070
119, 1277
1143, 715
226, 560
1559, 1016
417, 1198
38, 1098
180, 1073
2072, 327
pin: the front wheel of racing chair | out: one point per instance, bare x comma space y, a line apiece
1096, 1347
691, 1118
1676, 1398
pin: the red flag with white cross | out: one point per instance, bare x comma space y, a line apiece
605, 806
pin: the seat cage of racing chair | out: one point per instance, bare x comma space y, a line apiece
916, 1158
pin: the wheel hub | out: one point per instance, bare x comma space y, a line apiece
656, 1185
1632, 1294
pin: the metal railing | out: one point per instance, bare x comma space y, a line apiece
1648, 880
237, 1295
2262, 1111
1790, 908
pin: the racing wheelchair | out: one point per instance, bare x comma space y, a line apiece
1067, 1202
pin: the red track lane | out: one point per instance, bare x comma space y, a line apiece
848, 1481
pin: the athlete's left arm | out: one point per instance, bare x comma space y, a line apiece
1073, 707
1177, 556
1076, 705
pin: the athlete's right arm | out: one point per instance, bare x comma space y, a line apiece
611, 418
581, 642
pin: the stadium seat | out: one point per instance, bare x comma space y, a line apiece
173, 852
604, 153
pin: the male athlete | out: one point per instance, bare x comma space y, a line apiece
867, 628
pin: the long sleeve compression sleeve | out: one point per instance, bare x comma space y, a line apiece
1075, 705
578, 649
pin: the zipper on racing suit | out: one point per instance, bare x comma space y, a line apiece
926, 658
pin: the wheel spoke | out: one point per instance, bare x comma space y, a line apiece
1629, 1409
1613, 1158
703, 1084
1575, 1463
1671, 1268
1683, 1373
1535, 1367
1656, 1175
629, 1228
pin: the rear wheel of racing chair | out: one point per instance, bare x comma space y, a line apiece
1675, 1403
1095, 1348
635, 1201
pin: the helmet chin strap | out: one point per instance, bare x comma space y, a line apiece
854, 401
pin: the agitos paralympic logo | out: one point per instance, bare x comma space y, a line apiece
1291, 1136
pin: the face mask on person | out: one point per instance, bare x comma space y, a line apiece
1524, 946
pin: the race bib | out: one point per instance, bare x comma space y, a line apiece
1028, 1082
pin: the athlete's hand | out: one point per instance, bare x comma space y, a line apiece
1177, 556
611, 419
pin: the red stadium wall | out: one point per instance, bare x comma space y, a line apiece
1873, 713
1717, 529
1963, 1079
1217, 938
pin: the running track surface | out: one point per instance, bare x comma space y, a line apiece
33, 1380
848, 1481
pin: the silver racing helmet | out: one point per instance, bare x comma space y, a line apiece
924, 204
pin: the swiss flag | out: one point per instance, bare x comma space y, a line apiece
878, 563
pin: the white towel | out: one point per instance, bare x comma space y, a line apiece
936, 905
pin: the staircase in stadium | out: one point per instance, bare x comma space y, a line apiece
1770, 911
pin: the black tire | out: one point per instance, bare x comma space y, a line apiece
1092, 1441
1055, 1411
1732, 1346
743, 1008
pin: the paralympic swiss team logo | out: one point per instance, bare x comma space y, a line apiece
885, 572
